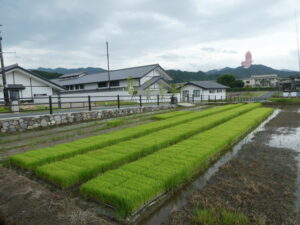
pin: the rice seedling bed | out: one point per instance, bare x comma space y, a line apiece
169, 115
82, 167
135, 184
31, 159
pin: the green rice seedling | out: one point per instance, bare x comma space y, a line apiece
169, 115
233, 218
34, 158
113, 156
131, 186
207, 217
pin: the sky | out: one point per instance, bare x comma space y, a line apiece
188, 35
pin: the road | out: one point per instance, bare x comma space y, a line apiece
266, 96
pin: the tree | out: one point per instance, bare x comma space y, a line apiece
230, 81
174, 89
226, 79
238, 84
131, 86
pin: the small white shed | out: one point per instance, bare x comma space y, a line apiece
203, 91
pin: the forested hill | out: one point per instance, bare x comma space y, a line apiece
179, 75
241, 72
47, 75
184, 76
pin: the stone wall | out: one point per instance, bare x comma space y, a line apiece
43, 121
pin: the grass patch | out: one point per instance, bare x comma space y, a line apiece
135, 184
285, 100
207, 217
115, 103
4, 109
34, 158
217, 217
115, 123
252, 94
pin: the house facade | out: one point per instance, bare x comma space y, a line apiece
270, 80
149, 79
290, 86
203, 91
25, 85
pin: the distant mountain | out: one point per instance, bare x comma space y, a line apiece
241, 72
184, 76
47, 75
73, 70
179, 75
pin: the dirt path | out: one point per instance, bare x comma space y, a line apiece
260, 181
26, 202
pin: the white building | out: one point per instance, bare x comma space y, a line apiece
270, 80
143, 80
203, 91
26, 85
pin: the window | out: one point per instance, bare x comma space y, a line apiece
196, 93
76, 87
247, 82
39, 95
81, 86
102, 84
211, 91
219, 90
71, 87
14, 94
185, 93
114, 83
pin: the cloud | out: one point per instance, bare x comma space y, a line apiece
191, 35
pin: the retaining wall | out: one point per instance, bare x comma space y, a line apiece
43, 121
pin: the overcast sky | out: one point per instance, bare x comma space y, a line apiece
178, 34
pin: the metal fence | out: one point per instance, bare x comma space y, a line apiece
52, 104
218, 98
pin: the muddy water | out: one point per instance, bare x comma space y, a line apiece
289, 137
176, 202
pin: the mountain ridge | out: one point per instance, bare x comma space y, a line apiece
179, 75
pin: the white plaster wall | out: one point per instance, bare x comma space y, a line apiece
289, 94
204, 93
32, 85
153, 73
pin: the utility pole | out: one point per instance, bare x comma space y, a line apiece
108, 71
298, 45
5, 90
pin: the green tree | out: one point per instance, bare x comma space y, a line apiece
131, 86
174, 89
238, 84
230, 81
226, 79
